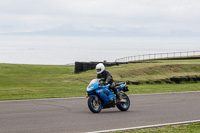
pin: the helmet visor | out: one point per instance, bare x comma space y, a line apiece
98, 70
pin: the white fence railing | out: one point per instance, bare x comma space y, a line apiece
157, 56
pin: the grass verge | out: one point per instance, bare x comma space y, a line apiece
190, 128
19, 81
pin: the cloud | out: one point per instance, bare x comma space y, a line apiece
101, 17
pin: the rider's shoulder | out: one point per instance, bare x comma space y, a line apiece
106, 71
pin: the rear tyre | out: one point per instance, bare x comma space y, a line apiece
94, 106
124, 106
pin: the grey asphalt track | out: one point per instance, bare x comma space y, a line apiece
73, 115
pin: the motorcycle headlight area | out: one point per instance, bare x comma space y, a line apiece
90, 88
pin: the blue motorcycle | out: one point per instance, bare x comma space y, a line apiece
101, 97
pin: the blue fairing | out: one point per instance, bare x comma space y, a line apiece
101, 91
122, 87
105, 94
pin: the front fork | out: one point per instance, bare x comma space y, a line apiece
95, 98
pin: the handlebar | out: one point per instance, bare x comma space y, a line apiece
102, 79
102, 84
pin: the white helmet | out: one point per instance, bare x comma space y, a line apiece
100, 68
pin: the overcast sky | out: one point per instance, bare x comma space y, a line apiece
144, 18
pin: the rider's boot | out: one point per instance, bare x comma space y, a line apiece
119, 98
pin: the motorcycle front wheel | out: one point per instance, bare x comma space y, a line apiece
94, 105
124, 106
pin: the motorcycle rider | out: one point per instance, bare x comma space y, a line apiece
107, 78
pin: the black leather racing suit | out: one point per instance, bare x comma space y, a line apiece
108, 79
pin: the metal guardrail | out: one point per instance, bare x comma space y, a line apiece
157, 56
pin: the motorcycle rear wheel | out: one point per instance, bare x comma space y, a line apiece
124, 106
94, 106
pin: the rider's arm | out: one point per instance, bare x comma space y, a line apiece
98, 76
108, 79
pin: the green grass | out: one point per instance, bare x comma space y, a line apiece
38, 81
19, 81
154, 71
163, 88
191, 128
193, 60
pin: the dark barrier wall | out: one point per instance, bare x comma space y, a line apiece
84, 66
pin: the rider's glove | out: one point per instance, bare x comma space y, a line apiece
105, 83
102, 79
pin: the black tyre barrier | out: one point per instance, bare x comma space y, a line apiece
93, 65
78, 67
173, 80
85, 66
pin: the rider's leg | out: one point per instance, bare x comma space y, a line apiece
115, 90
112, 86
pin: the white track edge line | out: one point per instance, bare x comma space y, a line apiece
165, 93
147, 126
168, 93
43, 99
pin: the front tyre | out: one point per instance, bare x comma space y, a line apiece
94, 104
124, 106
